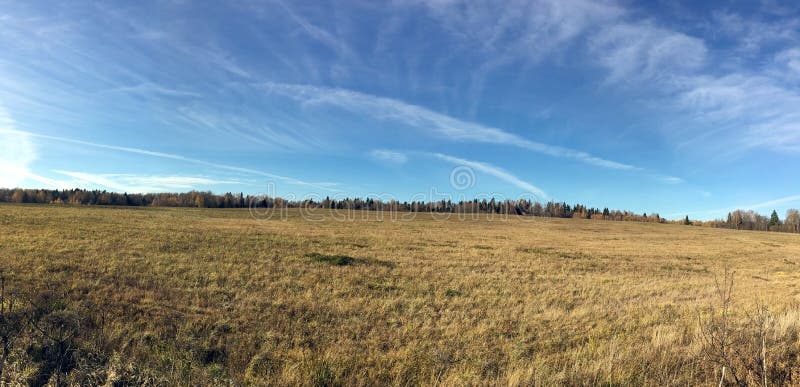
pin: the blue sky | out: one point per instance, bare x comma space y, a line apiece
675, 107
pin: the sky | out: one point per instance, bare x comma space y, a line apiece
675, 107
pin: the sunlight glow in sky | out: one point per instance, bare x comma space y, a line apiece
675, 107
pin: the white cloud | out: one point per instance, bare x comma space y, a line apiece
90, 180
520, 28
16, 153
789, 60
444, 126
670, 179
140, 183
494, 171
252, 129
775, 202
722, 112
317, 33
148, 88
389, 156
289, 180
170, 182
740, 102
637, 52
750, 110
751, 34
515, 32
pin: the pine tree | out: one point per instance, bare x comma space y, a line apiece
774, 220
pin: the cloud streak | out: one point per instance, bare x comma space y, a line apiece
523, 32
640, 52
775, 202
16, 153
497, 172
442, 125
289, 180
139, 183
388, 156
753, 109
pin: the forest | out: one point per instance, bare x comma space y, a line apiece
738, 219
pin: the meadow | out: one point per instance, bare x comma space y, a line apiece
166, 296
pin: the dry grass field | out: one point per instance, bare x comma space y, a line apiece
204, 296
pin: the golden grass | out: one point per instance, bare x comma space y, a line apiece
209, 296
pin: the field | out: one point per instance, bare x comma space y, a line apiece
204, 296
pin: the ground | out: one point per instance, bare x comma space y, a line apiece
211, 296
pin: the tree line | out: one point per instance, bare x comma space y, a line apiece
739, 219
230, 200
106, 198
751, 220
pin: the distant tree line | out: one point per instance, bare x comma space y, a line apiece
739, 219
229, 200
751, 220
105, 198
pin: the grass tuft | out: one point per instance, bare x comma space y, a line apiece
337, 260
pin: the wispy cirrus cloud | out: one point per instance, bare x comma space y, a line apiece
317, 33
680, 66
670, 179
424, 119
522, 29
788, 63
495, 171
636, 52
246, 126
140, 183
388, 156
750, 34
741, 102
522, 32
745, 109
17, 152
775, 202
149, 88
324, 185
59, 69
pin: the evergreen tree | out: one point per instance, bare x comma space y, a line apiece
774, 220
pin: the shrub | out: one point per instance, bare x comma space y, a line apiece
756, 348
